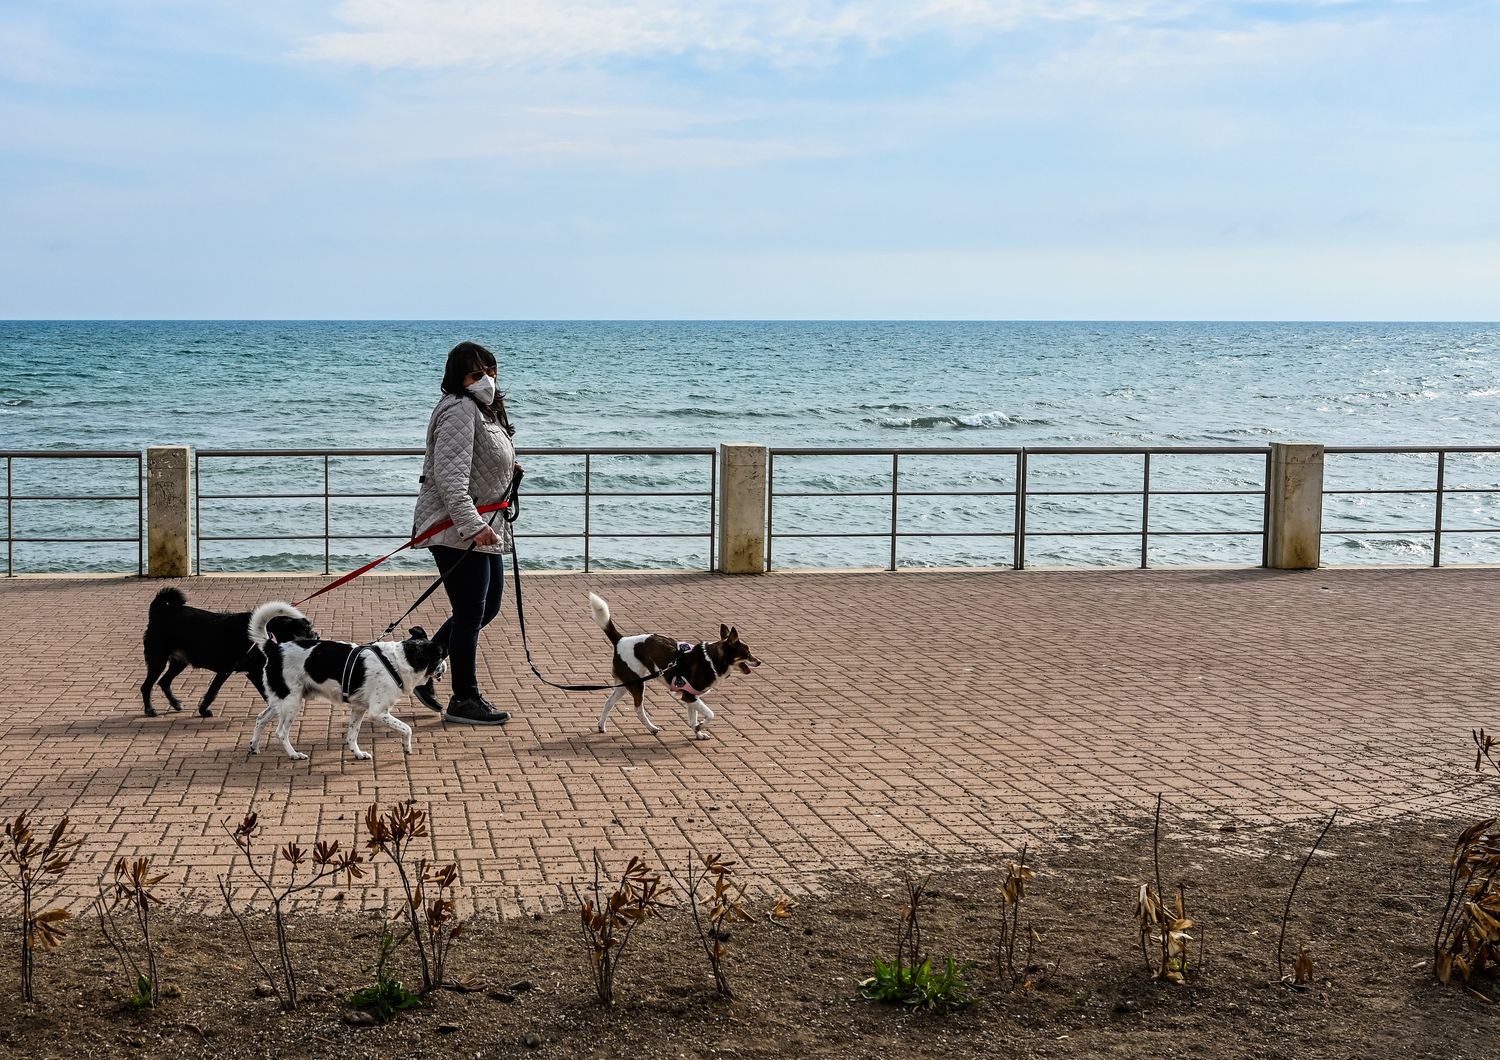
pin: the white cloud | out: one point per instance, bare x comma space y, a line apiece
434, 34
30, 54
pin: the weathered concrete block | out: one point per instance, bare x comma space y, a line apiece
1294, 534
169, 512
742, 508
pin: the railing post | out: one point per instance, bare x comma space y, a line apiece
1294, 506
742, 508
168, 519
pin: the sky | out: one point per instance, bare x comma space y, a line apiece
830, 159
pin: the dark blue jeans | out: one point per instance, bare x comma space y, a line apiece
475, 584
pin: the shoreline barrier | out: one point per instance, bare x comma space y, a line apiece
743, 507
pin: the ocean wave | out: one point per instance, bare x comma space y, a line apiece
19, 403
971, 421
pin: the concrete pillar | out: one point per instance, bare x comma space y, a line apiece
1294, 523
742, 508
169, 527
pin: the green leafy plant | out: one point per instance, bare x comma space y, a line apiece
132, 888
918, 986
302, 869
28, 864
608, 922
909, 979
387, 996
431, 911
145, 993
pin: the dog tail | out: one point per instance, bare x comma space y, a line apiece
601, 616
169, 599
261, 618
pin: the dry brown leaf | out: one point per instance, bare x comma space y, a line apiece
1302, 971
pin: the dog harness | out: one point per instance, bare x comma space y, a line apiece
349, 669
679, 685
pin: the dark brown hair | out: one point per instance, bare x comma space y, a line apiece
465, 359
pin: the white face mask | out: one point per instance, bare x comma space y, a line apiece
484, 390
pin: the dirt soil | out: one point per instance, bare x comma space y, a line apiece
1366, 911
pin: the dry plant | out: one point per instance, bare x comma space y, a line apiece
714, 911
1484, 744
132, 887
608, 922
1468, 935
323, 861
431, 915
1302, 968
1012, 893
1161, 926
782, 910
28, 864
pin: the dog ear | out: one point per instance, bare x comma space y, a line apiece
734, 634
723, 631
418, 633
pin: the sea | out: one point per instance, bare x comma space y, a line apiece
923, 387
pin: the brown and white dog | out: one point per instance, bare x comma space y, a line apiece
688, 669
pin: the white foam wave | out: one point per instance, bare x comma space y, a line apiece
961, 421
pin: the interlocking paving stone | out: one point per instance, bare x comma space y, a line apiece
896, 714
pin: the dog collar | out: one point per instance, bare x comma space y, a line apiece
710, 659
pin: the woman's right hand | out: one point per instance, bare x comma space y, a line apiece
487, 536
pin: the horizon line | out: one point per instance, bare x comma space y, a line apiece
748, 320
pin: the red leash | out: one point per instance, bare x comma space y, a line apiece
436, 528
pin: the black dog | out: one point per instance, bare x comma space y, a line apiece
179, 636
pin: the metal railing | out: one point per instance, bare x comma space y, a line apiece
1437, 491
1021, 495
587, 532
11, 497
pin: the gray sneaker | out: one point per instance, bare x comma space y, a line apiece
473, 710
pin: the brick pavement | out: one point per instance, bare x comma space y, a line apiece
944, 713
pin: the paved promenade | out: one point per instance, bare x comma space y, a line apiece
954, 713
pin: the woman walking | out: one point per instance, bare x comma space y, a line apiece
470, 462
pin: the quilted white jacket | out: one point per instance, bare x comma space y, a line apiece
470, 461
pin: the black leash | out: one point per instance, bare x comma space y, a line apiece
515, 566
510, 513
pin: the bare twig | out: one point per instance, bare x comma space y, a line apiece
1167, 928
132, 887
1287, 911
1484, 744
326, 860
433, 923
711, 916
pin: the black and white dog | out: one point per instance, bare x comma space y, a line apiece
371, 678
688, 669
178, 636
